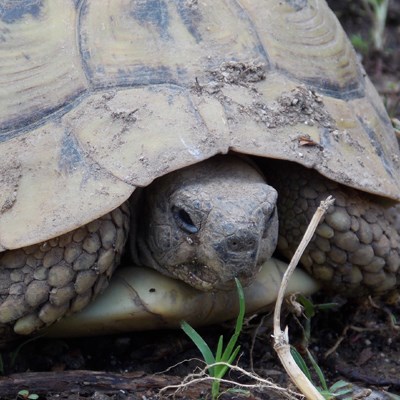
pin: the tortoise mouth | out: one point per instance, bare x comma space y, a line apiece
205, 278
196, 274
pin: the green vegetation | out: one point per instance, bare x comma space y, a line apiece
359, 43
14, 354
216, 369
377, 11
25, 395
310, 309
339, 388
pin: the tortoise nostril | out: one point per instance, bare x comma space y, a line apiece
243, 241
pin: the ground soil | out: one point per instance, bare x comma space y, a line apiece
362, 337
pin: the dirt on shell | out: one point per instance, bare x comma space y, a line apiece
239, 73
298, 106
9, 182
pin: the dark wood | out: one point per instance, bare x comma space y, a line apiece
354, 374
90, 381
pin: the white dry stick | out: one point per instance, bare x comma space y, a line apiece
281, 339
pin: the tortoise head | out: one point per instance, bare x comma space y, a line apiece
208, 223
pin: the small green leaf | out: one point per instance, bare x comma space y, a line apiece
201, 345
340, 385
318, 370
219, 348
239, 323
299, 360
341, 388
240, 318
359, 43
309, 308
228, 355
326, 306
220, 370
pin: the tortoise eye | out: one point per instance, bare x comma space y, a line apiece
183, 220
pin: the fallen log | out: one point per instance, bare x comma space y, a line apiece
83, 381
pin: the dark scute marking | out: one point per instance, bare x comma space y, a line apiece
152, 12
325, 138
83, 40
297, 4
145, 76
182, 73
383, 116
191, 17
71, 156
375, 142
77, 3
14, 10
12, 127
353, 90
259, 49
19, 122
4, 33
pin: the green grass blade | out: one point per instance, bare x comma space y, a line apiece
239, 323
220, 370
339, 385
17, 351
309, 307
341, 388
201, 345
219, 348
242, 307
318, 370
215, 389
229, 348
326, 306
299, 360
228, 355
234, 355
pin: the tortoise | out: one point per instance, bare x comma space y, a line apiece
192, 125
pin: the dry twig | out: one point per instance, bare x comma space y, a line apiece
281, 339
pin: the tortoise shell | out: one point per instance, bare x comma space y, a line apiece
98, 98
